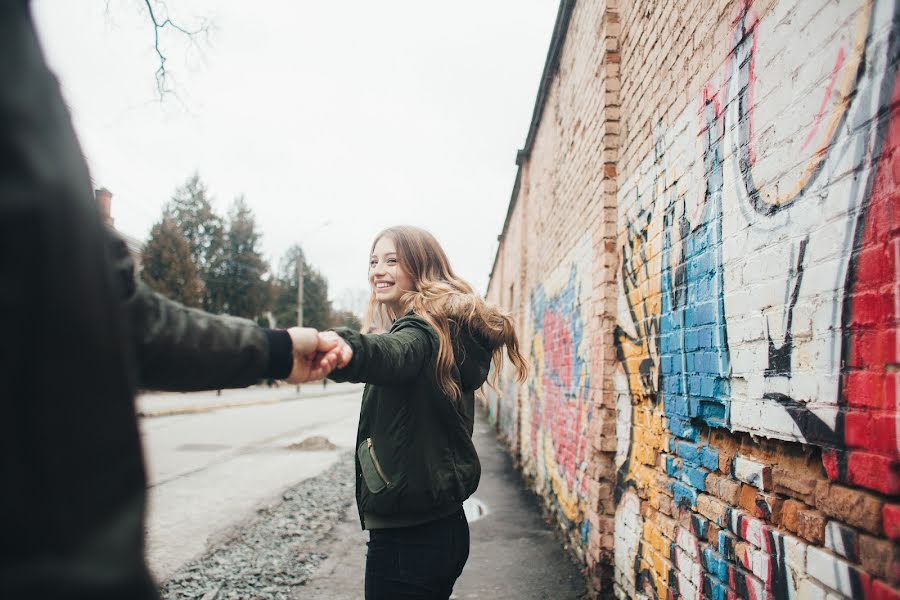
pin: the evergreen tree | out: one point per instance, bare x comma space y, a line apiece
284, 307
191, 209
316, 306
346, 318
246, 290
167, 266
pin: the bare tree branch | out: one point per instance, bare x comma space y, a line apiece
158, 25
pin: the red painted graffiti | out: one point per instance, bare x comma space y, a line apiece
871, 354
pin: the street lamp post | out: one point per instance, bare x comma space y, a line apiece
299, 291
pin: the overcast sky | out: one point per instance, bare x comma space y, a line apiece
365, 114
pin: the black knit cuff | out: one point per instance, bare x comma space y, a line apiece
281, 356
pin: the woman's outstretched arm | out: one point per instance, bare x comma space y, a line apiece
388, 358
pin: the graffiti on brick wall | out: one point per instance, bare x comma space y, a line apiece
507, 415
794, 206
492, 400
502, 402
759, 292
554, 422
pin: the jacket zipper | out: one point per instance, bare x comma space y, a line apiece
375, 462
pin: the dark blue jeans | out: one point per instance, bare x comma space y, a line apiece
417, 563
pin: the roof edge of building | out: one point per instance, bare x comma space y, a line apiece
551, 68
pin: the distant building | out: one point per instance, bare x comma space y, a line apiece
104, 204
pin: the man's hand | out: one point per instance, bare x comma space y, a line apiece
316, 354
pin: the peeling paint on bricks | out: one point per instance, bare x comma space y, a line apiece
703, 258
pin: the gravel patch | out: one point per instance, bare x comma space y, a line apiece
276, 551
316, 442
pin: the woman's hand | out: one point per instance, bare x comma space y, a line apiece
343, 349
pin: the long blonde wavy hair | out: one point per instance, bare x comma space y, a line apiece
447, 303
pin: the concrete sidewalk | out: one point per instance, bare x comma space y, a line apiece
514, 554
163, 404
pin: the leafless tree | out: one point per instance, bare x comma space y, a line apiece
160, 22
160, 19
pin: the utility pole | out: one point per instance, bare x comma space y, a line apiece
299, 291
299, 297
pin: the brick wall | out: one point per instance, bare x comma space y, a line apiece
547, 272
703, 255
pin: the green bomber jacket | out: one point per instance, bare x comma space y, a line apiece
415, 460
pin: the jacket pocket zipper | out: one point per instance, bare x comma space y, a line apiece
375, 462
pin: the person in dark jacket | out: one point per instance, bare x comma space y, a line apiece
415, 460
80, 335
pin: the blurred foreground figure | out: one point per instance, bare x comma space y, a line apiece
79, 336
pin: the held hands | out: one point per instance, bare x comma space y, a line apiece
341, 348
316, 354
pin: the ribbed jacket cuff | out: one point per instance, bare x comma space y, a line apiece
281, 356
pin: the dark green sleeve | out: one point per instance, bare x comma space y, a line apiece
387, 358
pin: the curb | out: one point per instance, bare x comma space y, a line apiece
189, 410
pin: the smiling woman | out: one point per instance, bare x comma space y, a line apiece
416, 463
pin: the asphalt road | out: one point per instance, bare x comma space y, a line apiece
209, 471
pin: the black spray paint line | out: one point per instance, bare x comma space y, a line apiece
780, 357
